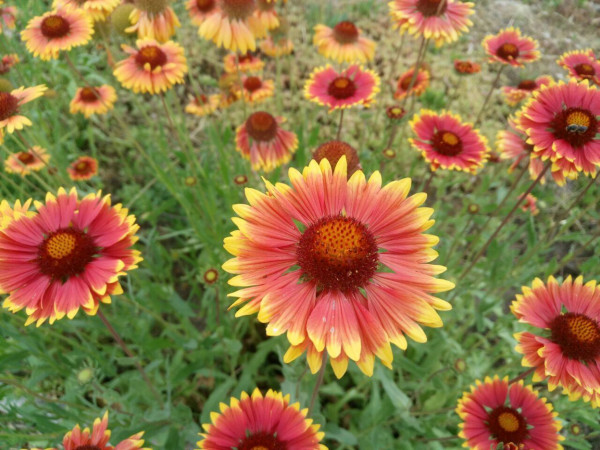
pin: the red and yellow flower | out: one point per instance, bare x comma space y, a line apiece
446, 141
510, 47
98, 10
152, 67
68, 256
419, 86
93, 100
200, 10
261, 422
513, 95
23, 163
242, 63
561, 121
10, 105
442, 21
254, 89
202, 105
496, 413
98, 437
83, 168
581, 64
344, 43
530, 204
315, 260
261, 140
338, 90
277, 47
59, 30
7, 62
153, 19
566, 349
466, 67
8, 16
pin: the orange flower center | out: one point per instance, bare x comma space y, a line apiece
431, 8
261, 126
65, 253
338, 253
575, 125
240, 179
577, 335
205, 5
507, 51
9, 105
345, 32
89, 95
334, 150
585, 70
55, 26
25, 157
152, 55
341, 88
261, 441
238, 9
447, 143
527, 85
507, 425
210, 276
252, 84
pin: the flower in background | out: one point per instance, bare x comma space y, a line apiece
200, 10
153, 67
277, 47
71, 254
83, 168
334, 150
202, 105
232, 25
581, 64
344, 43
419, 86
466, 67
566, 347
446, 141
261, 140
7, 16
561, 121
510, 47
244, 63
530, 204
340, 265
496, 413
240, 179
515, 95
7, 62
254, 89
8, 213
389, 153
97, 439
98, 10
266, 15
350, 87
211, 276
10, 105
261, 422
59, 30
93, 100
153, 19
395, 112
23, 163
442, 21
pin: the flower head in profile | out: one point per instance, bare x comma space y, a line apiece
71, 254
254, 89
153, 19
98, 10
344, 43
266, 16
261, 140
83, 168
581, 64
23, 163
98, 437
565, 347
8, 16
202, 105
7, 62
55, 31
334, 150
338, 90
530, 205
277, 47
200, 10
513, 95
439, 20
419, 86
466, 67
510, 47
561, 121
10, 107
93, 100
152, 67
497, 414
259, 422
340, 265
447, 142
247, 63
